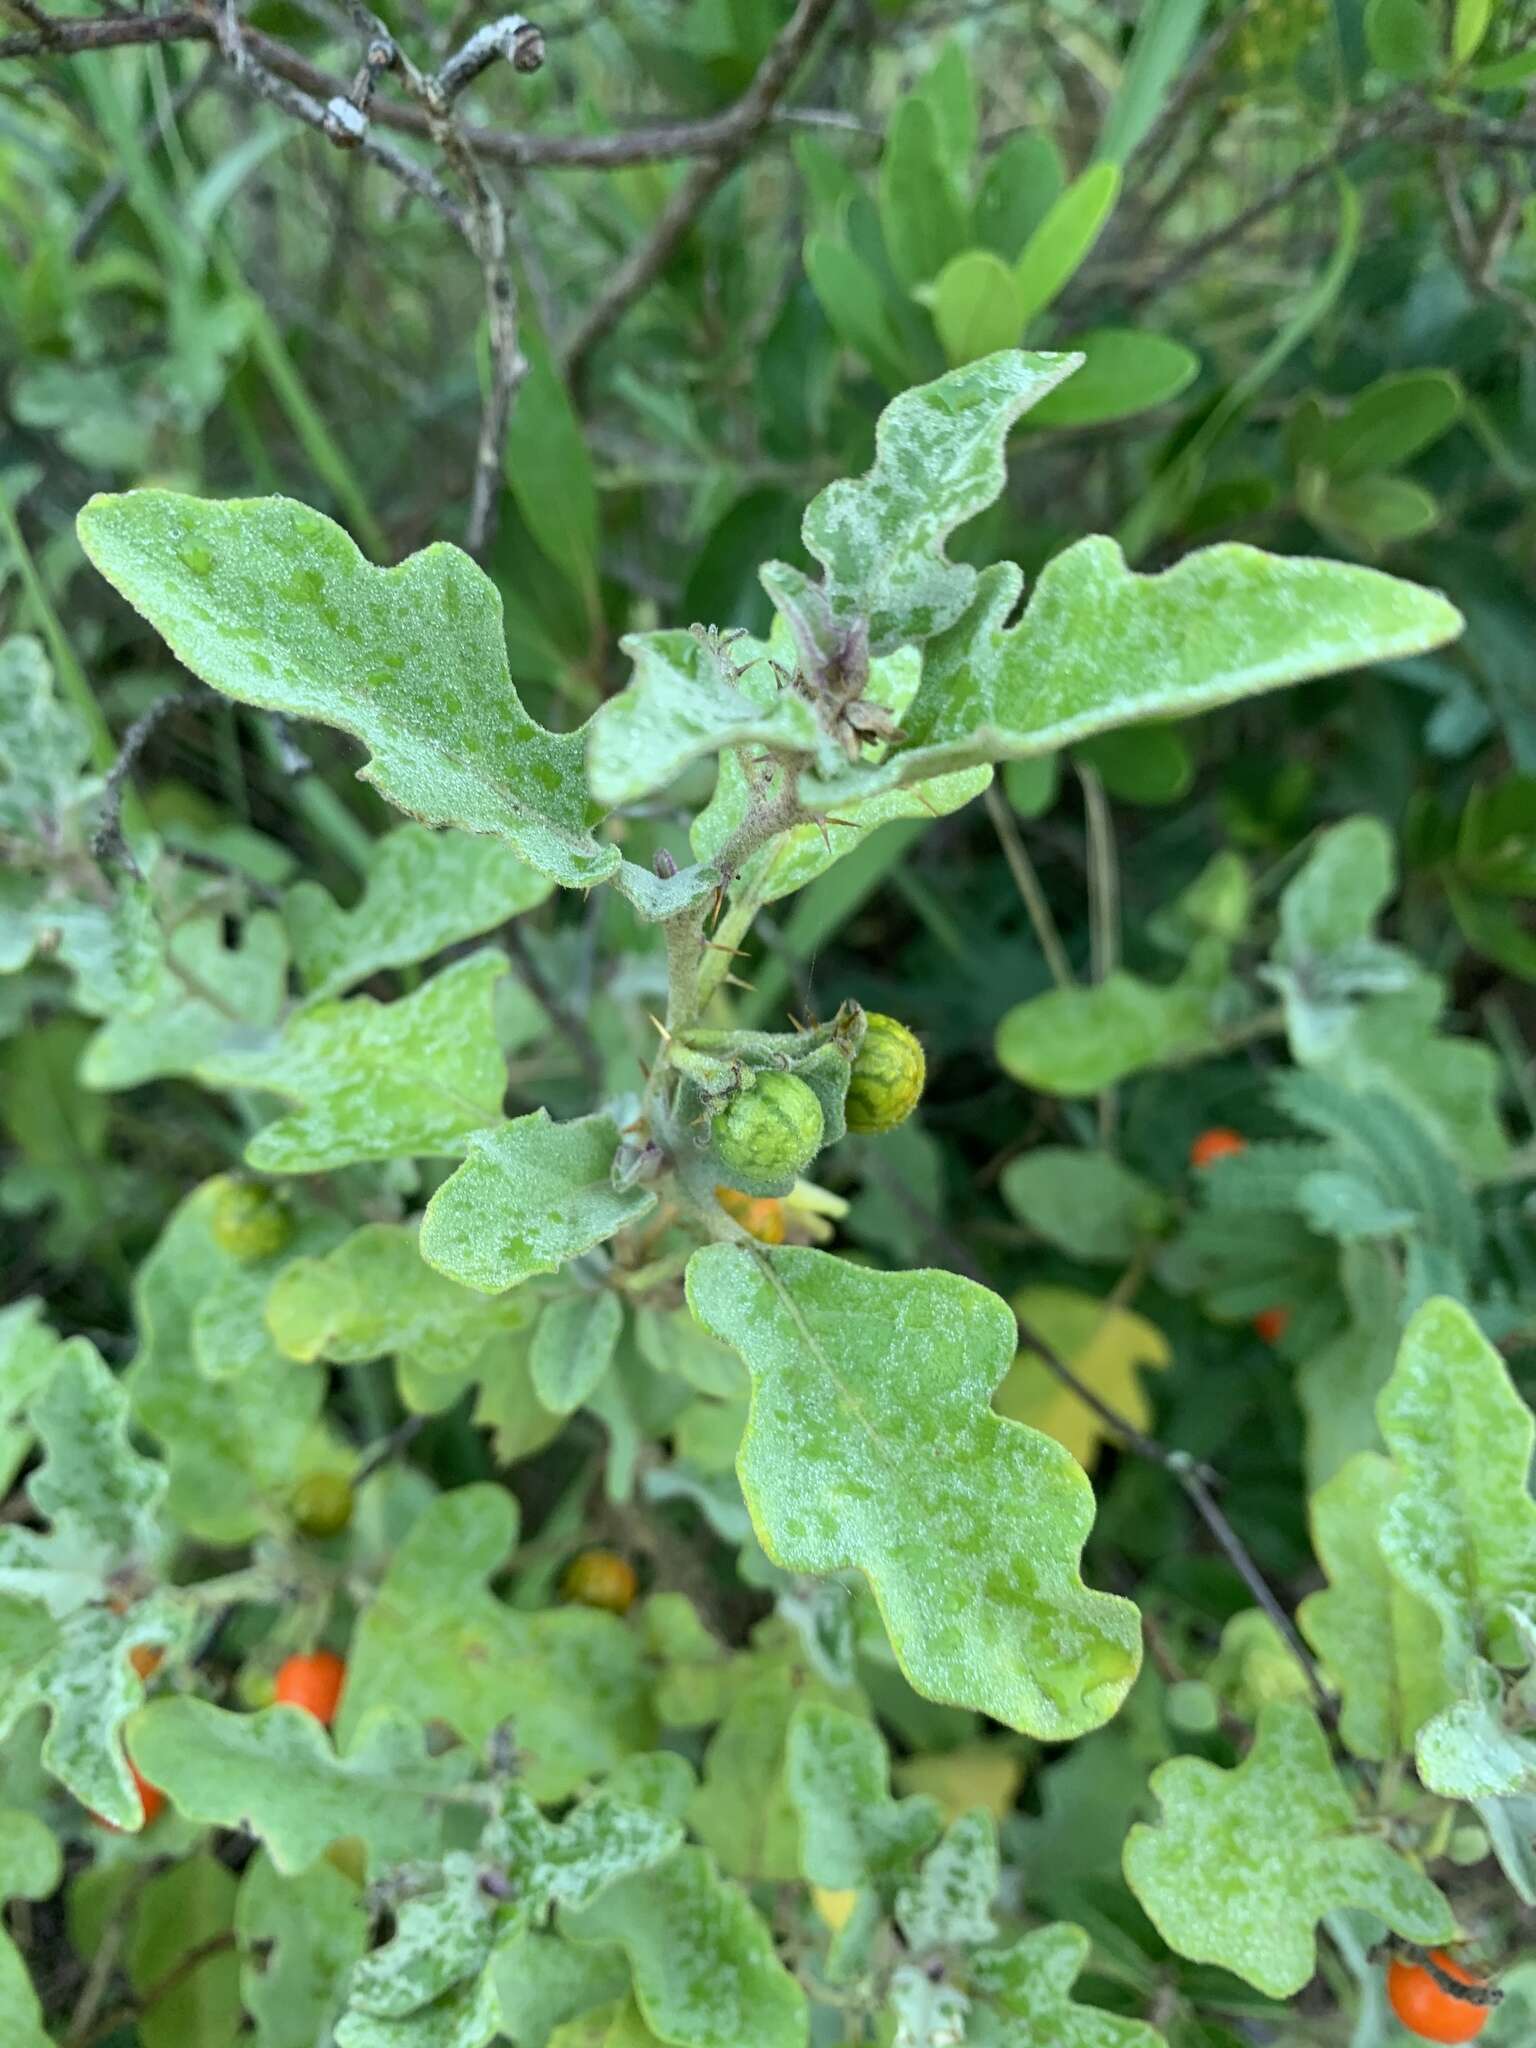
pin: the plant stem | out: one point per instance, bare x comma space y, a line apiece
1027, 881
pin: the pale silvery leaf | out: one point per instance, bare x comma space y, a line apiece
205, 998
80, 1670
1244, 1863
375, 1294
1022, 1998
99, 1496
468, 2016
435, 1644
705, 1971
853, 1834
529, 1196
1378, 1642
299, 1936
872, 1445
573, 1347
271, 603
231, 1442
1461, 1530
44, 745
1100, 646
657, 897
30, 1868
1469, 1751
682, 704
880, 537
440, 1938
568, 1863
425, 890
29, 1351
276, 1774
949, 1902
928, 2014
379, 1080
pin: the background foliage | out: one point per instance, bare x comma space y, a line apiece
612, 320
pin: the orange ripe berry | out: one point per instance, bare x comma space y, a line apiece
146, 1659
1428, 2009
760, 1216
1271, 1324
312, 1682
151, 1801
1216, 1143
601, 1578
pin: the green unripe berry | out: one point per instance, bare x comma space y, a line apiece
769, 1131
322, 1503
250, 1222
887, 1078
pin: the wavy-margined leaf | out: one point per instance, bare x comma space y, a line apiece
44, 745
100, 1497
29, 1351
543, 1980
1379, 1643
232, 1442
569, 1862
949, 1902
872, 1446
1244, 1863
378, 1080
929, 2013
436, 1645
1022, 1998
853, 1834
1107, 1347
441, 1937
277, 1774
880, 537
1078, 1041
299, 1937
1100, 646
425, 890
573, 1347
529, 1196
682, 704
1460, 1532
1470, 1751
31, 1865
271, 603
206, 997
466, 2016
705, 1971
375, 1294
63, 1646
744, 1811
1086, 1203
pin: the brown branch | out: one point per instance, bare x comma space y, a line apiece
651, 142
738, 130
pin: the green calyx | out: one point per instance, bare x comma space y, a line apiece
887, 1079
771, 1131
250, 1222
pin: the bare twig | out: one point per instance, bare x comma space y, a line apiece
1027, 881
739, 129
107, 842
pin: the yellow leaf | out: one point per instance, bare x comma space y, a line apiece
1105, 1346
985, 1774
835, 1908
